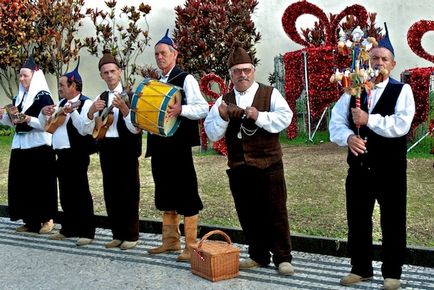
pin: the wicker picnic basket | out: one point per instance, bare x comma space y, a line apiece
215, 260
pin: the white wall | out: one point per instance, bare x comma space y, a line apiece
398, 14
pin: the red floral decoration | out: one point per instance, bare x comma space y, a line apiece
205, 87
297, 9
419, 81
419, 78
321, 60
414, 38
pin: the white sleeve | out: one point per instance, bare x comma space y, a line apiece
88, 124
79, 120
278, 118
35, 123
4, 120
197, 107
130, 126
399, 123
215, 126
339, 125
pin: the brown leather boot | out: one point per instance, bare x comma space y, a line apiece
170, 234
190, 231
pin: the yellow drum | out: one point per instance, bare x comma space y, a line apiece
149, 107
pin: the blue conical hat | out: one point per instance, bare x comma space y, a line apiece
167, 40
74, 75
385, 41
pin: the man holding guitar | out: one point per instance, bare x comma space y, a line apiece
73, 147
119, 149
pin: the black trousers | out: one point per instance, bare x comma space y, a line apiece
120, 170
176, 182
75, 196
389, 187
260, 200
32, 186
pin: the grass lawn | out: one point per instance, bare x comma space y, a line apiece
315, 175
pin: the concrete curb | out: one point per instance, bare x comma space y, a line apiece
418, 256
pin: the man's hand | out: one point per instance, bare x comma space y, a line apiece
119, 102
223, 111
48, 110
235, 112
96, 106
68, 108
356, 144
21, 118
251, 113
360, 117
174, 110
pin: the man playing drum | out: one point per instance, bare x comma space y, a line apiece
176, 190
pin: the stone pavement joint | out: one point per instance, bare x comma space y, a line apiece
32, 261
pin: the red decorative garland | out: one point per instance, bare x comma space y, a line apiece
419, 78
321, 61
300, 8
414, 38
205, 87
419, 81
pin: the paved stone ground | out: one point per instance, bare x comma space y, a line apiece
32, 261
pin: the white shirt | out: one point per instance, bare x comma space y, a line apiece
26, 140
392, 126
60, 136
112, 131
196, 106
277, 119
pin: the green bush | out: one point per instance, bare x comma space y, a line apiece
6, 130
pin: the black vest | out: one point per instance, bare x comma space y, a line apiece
130, 140
382, 152
187, 134
42, 99
77, 141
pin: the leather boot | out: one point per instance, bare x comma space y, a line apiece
170, 234
190, 232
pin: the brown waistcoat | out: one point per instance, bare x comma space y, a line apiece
262, 149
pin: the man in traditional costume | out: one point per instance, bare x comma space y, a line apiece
250, 117
176, 189
72, 147
377, 168
119, 149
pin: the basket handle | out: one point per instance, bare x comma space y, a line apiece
214, 232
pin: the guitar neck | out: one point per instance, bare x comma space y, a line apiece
107, 111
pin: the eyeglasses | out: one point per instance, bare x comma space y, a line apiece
238, 71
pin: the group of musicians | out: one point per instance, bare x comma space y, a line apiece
55, 141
